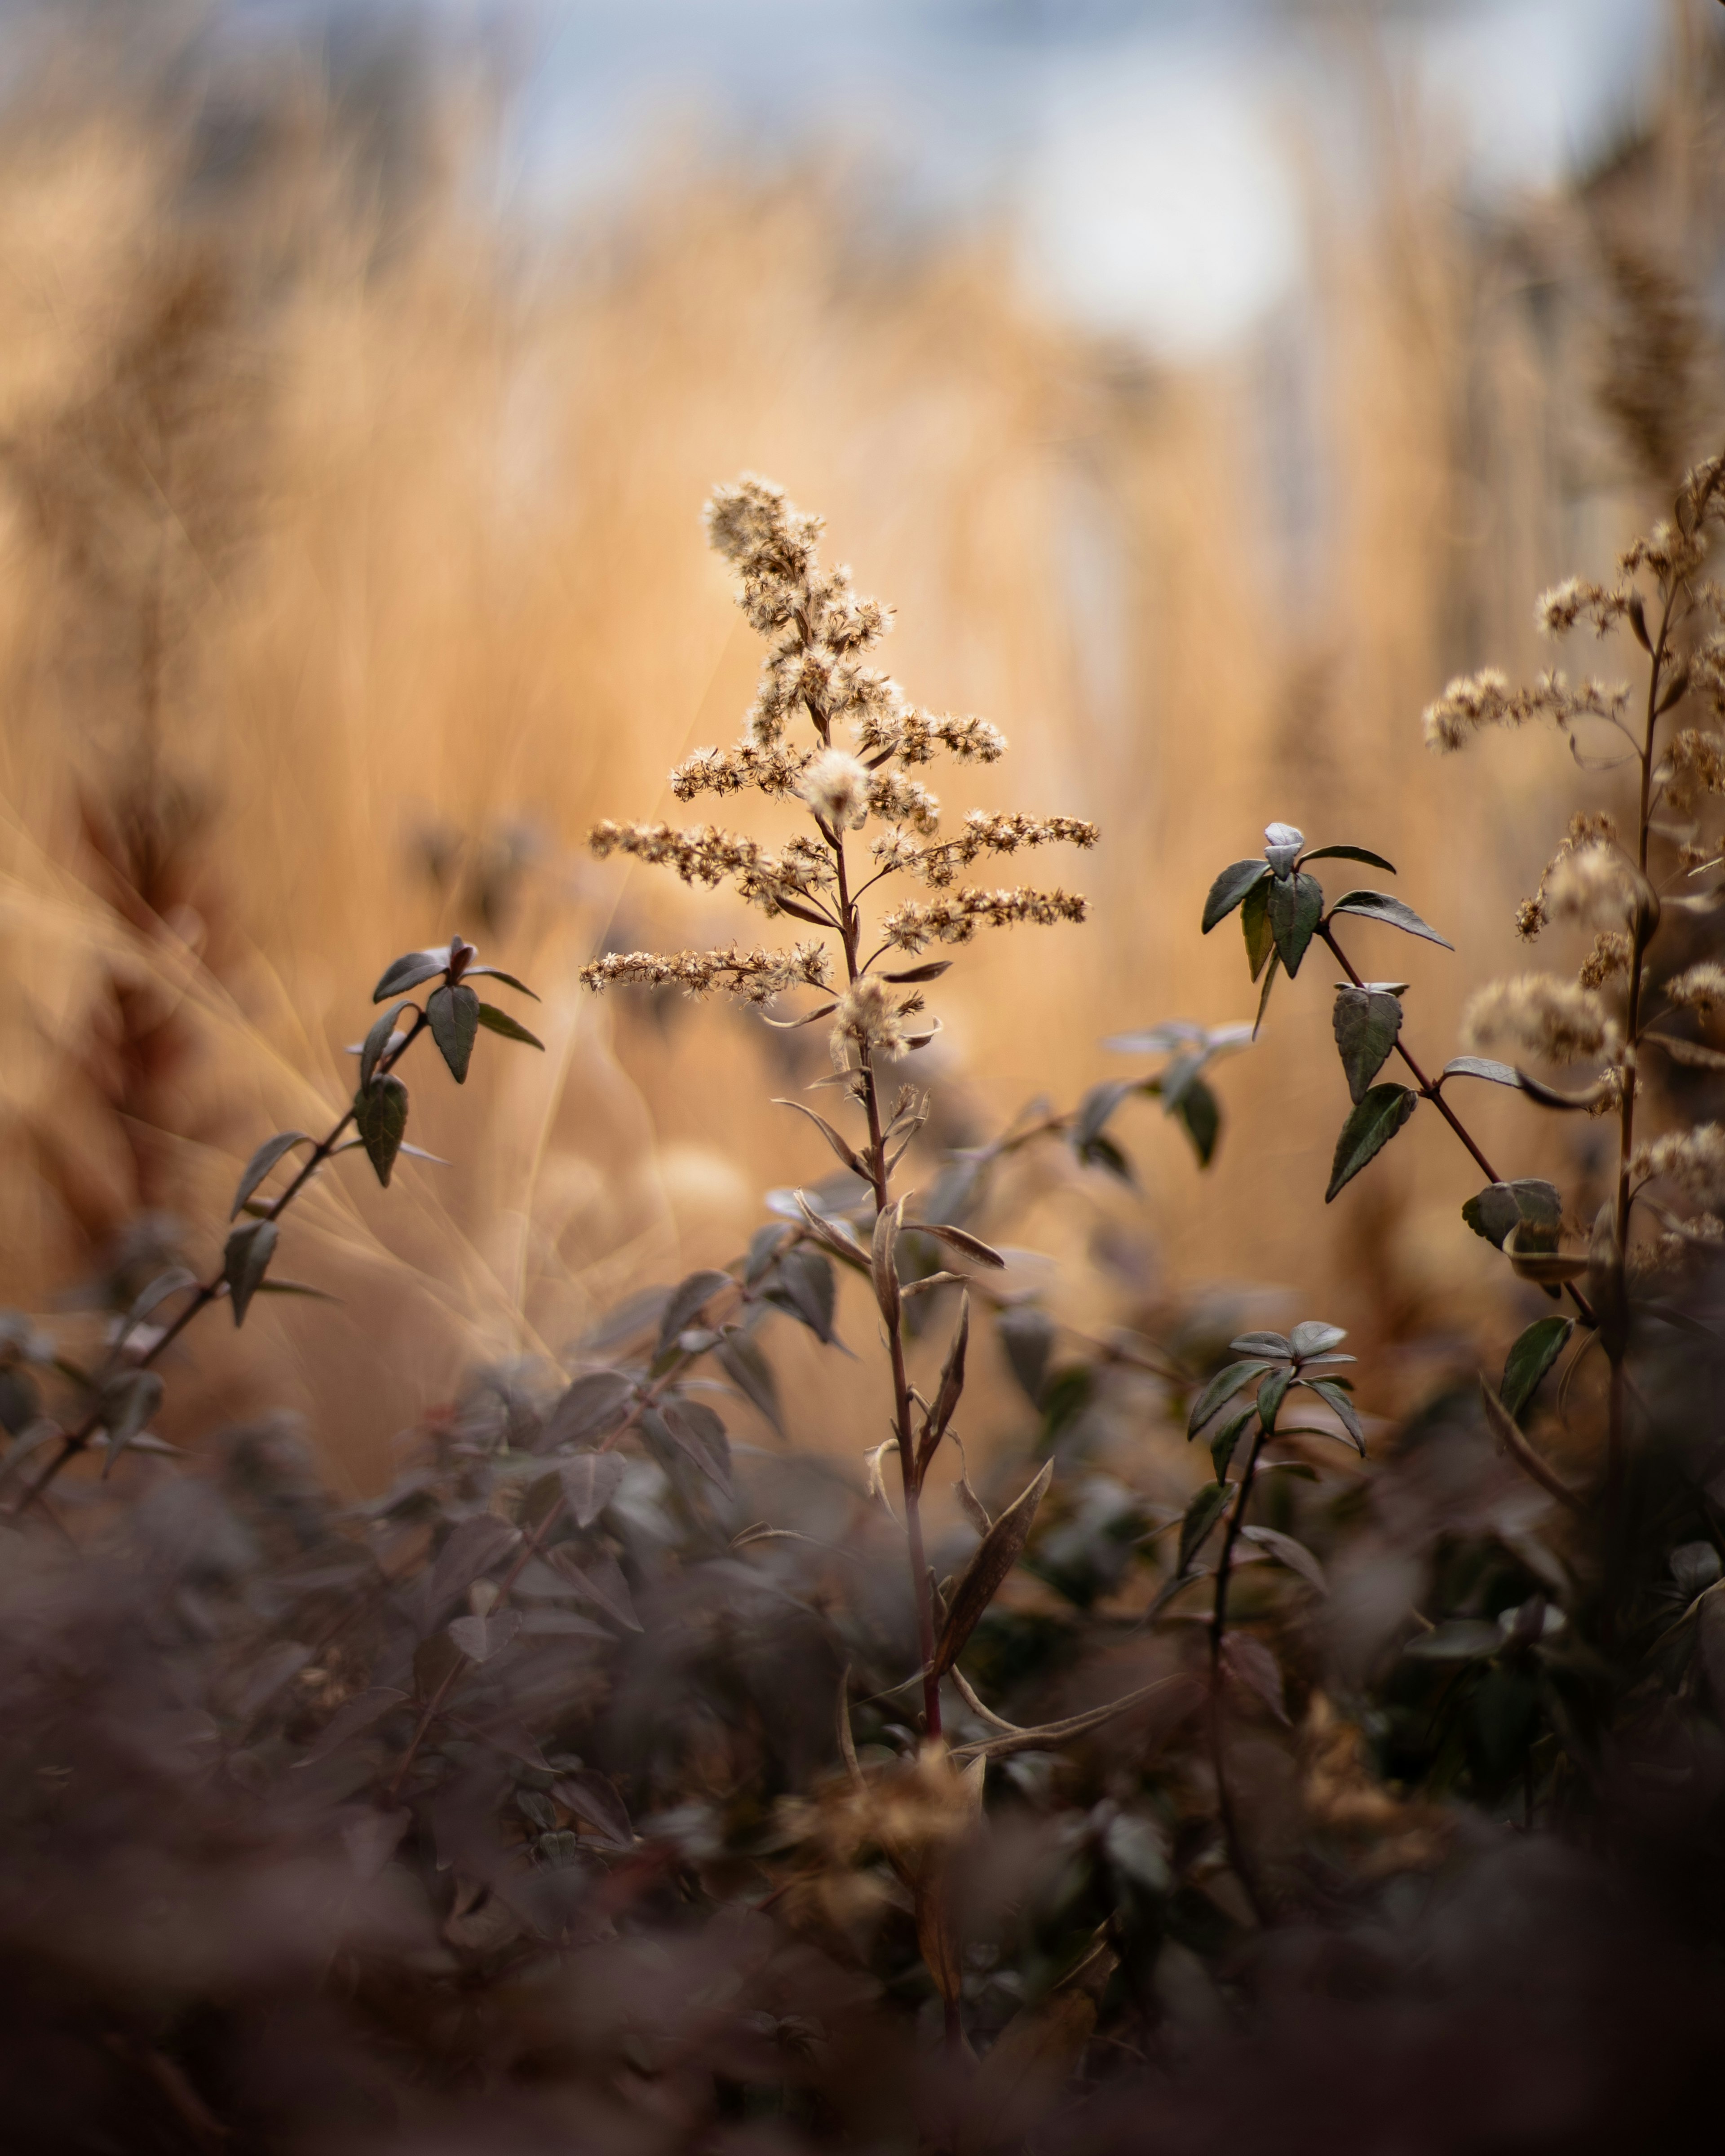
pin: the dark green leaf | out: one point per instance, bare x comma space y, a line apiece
1529, 1203
1103, 1153
1202, 1514
1270, 974
245, 1261
1271, 1393
1227, 1437
1222, 1387
1293, 1554
1311, 1337
1229, 888
1296, 906
1480, 1066
1548, 1096
376, 1043
592, 1405
1261, 1343
1254, 926
1352, 854
126, 1405
454, 1014
409, 972
688, 1299
500, 1021
497, 973
1198, 1110
999, 1551
1331, 1391
1371, 1126
260, 1164
380, 1114
1531, 1355
1380, 906
1027, 1334
1365, 1023
741, 1359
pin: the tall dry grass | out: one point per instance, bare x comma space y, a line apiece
352, 565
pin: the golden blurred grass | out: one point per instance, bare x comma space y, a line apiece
337, 544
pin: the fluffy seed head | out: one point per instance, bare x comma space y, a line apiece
836, 786
1553, 1019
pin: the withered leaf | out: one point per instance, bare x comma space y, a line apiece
999, 1551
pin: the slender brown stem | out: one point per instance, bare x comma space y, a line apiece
1237, 1856
206, 1291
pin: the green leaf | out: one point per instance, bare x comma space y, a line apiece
1533, 1355
1296, 906
1312, 1336
409, 972
1503, 1207
1271, 1393
1270, 972
1380, 906
1222, 1387
380, 1115
260, 1164
376, 1043
1198, 1110
1227, 1437
1371, 1126
1255, 923
245, 1261
1480, 1066
1330, 1390
500, 1021
985, 1574
1351, 853
1202, 1514
1229, 888
454, 1014
1365, 1023
497, 973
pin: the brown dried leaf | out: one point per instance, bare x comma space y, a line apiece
986, 1573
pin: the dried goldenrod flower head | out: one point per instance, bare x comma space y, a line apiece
836, 786
1699, 988
1557, 611
1472, 701
1593, 883
870, 1021
1587, 829
1553, 1019
816, 628
1693, 764
1694, 1160
1667, 552
1609, 957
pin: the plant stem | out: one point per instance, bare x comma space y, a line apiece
1237, 1857
878, 1178
206, 1291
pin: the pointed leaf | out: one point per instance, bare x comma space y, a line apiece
596, 1578
1227, 1437
1208, 1503
359, 1713
481, 1638
950, 1387
1250, 1663
380, 1114
689, 1298
244, 1262
1271, 1393
1371, 1126
931, 971
883, 1263
1027, 1334
803, 1283
1548, 1096
407, 972
590, 1481
497, 973
376, 1044
1380, 906
1352, 854
830, 1135
1199, 1111
692, 1428
1222, 1387
1480, 1066
1270, 974
999, 1551
260, 1164
454, 1014
1530, 1358
127, 1405
1296, 906
1529, 1204
472, 1548
1262, 1343
500, 1022
1313, 1337
1229, 888
1254, 926
1366, 1025
591, 1797
592, 1405
740, 1358
1329, 1390
1293, 1554
956, 1239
